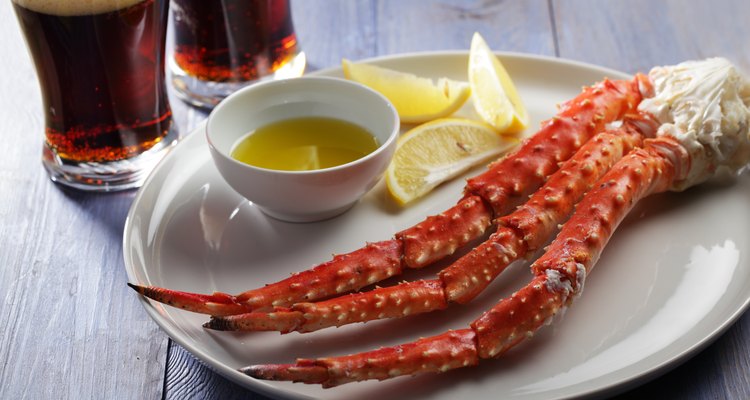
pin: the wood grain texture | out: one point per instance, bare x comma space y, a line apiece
72, 329
189, 379
636, 35
363, 29
415, 25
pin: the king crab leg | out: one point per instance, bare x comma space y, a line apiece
487, 196
519, 234
558, 279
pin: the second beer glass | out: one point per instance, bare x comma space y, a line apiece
222, 45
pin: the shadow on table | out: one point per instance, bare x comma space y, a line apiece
106, 209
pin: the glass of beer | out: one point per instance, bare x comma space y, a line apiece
100, 66
223, 45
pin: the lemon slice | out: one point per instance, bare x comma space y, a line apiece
416, 99
434, 152
495, 97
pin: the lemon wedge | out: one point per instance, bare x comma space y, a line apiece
434, 152
495, 96
417, 99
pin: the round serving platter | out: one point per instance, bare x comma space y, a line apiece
673, 278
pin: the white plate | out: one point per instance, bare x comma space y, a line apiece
675, 275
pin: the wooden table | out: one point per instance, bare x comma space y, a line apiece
70, 327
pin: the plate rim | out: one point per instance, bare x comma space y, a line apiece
265, 388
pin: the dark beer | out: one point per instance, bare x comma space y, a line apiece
102, 76
232, 40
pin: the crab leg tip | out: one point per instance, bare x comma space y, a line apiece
217, 324
258, 371
269, 372
287, 372
137, 288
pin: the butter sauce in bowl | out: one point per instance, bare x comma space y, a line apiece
302, 194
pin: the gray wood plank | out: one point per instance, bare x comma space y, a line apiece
336, 29
332, 29
668, 32
187, 378
415, 25
70, 328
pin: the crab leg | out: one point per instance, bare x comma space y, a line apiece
454, 349
560, 273
525, 230
345, 272
518, 234
389, 302
559, 278
487, 196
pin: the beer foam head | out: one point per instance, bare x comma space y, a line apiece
75, 7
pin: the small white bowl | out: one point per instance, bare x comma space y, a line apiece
302, 196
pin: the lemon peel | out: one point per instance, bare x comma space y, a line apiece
417, 99
437, 151
495, 97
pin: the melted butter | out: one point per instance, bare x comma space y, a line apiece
303, 144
